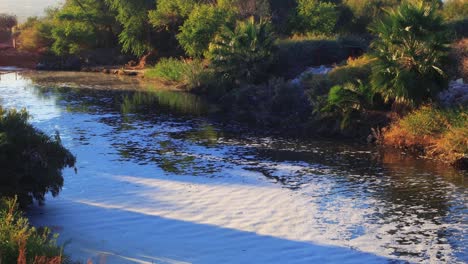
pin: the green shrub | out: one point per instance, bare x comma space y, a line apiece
21, 242
314, 16
203, 23
31, 162
411, 53
348, 100
187, 74
245, 53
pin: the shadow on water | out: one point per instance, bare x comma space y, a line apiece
165, 240
416, 204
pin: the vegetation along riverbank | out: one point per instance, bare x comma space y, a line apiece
253, 58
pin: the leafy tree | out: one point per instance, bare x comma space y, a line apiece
411, 53
203, 23
171, 14
83, 24
31, 162
36, 35
136, 35
314, 17
245, 53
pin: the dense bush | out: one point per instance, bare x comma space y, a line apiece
347, 100
136, 35
21, 243
276, 103
438, 132
31, 162
411, 54
170, 14
36, 35
245, 53
314, 17
203, 23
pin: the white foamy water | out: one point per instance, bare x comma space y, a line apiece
156, 187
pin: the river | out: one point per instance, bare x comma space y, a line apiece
158, 181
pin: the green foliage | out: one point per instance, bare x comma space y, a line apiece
314, 17
203, 23
411, 52
245, 53
348, 99
455, 10
79, 25
31, 162
17, 235
36, 35
136, 35
188, 74
441, 133
248, 8
170, 14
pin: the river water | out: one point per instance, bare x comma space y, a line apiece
159, 182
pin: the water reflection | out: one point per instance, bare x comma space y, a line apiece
408, 207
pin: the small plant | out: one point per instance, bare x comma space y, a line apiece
21, 243
347, 100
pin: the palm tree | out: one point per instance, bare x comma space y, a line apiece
411, 52
245, 53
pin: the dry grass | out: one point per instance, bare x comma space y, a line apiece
438, 133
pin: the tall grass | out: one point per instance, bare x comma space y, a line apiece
186, 74
439, 133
